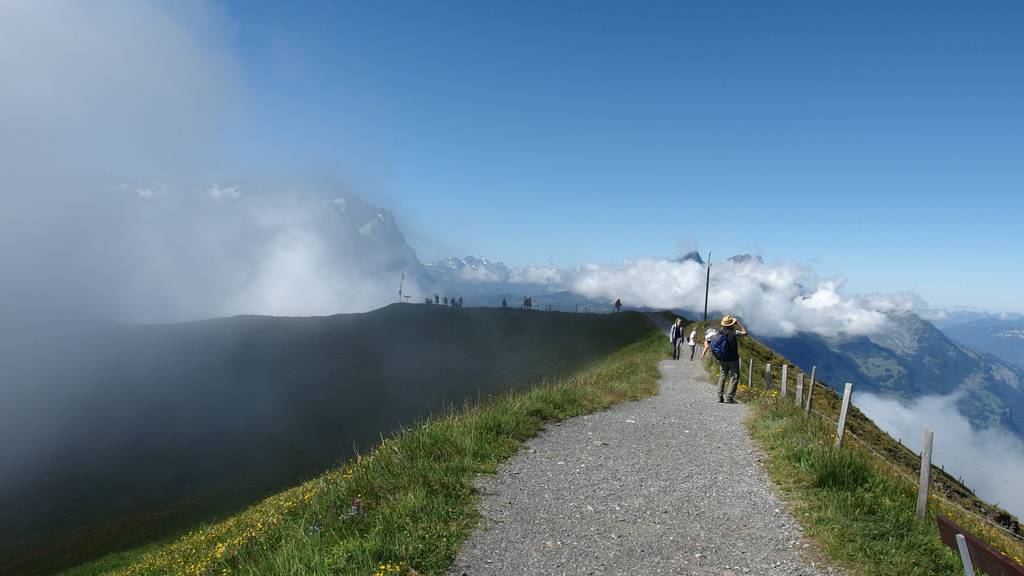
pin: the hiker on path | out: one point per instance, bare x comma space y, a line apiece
692, 341
726, 350
675, 336
618, 304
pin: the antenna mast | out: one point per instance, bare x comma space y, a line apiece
707, 288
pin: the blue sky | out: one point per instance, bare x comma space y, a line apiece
880, 141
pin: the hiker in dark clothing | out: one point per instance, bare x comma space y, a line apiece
618, 304
726, 350
675, 336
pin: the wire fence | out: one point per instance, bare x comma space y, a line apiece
900, 471
913, 481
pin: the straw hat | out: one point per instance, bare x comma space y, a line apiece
728, 320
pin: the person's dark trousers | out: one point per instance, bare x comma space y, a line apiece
676, 345
730, 370
693, 348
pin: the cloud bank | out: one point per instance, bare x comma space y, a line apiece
991, 461
775, 300
143, 94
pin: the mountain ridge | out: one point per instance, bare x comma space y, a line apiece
912, 359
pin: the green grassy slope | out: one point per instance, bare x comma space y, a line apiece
857, 505
191, 422
404, 507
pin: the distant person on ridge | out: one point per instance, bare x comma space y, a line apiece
726, 350
675, 336
504, 303
618, 304
692, 341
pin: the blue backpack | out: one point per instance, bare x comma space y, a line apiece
718, 345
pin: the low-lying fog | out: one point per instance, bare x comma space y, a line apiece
991, 462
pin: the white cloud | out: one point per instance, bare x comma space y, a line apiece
775, 300
225, 191
118, 90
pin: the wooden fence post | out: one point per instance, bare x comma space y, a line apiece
750, 376
785, 380
768, 376
926, 474
810, 389
800, 389
974, 552
965, 555
842, 414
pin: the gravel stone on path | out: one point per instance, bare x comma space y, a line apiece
667, 485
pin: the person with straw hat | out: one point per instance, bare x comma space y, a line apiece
726, 350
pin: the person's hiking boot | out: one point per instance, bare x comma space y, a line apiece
720, 399
730, 401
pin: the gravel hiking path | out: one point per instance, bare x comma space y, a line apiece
667, 485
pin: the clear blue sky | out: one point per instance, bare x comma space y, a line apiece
883, 141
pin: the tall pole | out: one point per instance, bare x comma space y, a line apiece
707, 286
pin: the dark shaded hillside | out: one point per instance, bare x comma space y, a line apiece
167, 424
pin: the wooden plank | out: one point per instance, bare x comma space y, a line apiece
842, 414
767, 376
983, 556
799, 401
750, 376
785, 380
926, 475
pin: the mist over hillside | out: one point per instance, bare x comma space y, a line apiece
152, 427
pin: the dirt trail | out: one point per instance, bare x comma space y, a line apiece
667, 485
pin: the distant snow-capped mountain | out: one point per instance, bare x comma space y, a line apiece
251, 249
472, 268
375, 235
479, 275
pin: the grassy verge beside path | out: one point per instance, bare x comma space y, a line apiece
861, 516
857, 508
404, 508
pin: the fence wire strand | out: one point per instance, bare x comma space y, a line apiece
915, 482
899, 471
